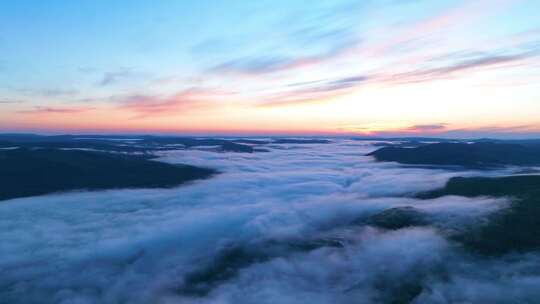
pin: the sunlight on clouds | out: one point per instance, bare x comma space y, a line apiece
370, 67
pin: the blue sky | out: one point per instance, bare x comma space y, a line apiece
270, 66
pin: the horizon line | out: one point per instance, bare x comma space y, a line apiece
502, 136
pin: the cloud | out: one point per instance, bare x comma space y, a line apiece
302, 36
346, 82
314, 91
140, 246
445, 130
427, 128
510, 132
454, 69
50, 92
183, 101
454, 64
122, 75
54, 110
260, 65
10, 101
451, 17
256, 65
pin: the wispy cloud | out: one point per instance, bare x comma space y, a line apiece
427, 128
313, 92
454, 69
54, 110
10, 101
445, 130
525, 130
258, 65
122, 75
183, 101
50, 92
457, 15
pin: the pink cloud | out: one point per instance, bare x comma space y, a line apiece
454, 69
54, 110
458, 15
427, 127
191, 99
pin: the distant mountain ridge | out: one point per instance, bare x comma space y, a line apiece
147, 143
479, 154
30, 172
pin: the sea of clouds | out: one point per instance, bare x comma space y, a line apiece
249, 222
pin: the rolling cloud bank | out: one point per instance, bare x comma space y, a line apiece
299, 223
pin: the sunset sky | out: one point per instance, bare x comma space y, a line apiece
389, 67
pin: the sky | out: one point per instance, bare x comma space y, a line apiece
383, 68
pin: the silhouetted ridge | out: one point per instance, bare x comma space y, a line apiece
129, 144
29, 172
515, 228
470, 155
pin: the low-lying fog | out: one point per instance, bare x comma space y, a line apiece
274, 227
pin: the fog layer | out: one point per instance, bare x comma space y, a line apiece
287, 226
